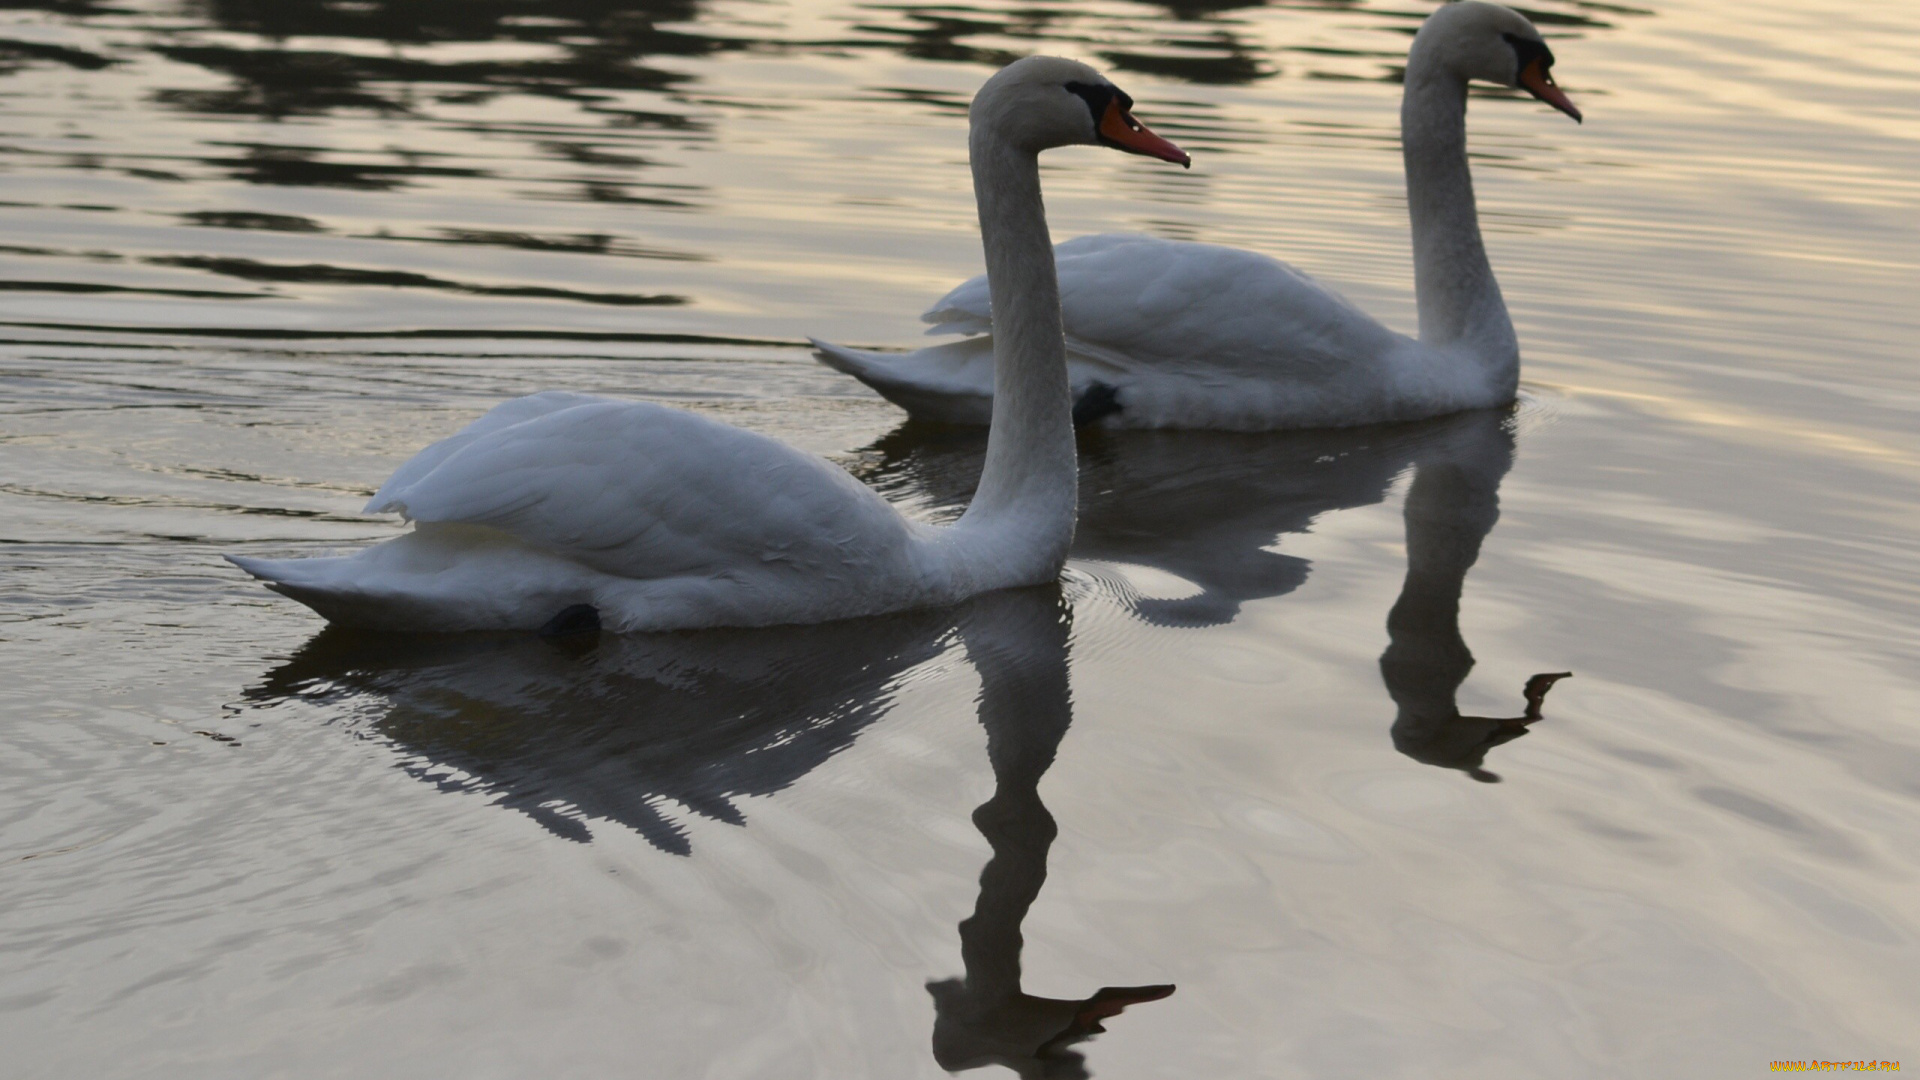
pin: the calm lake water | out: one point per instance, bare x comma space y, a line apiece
257, 252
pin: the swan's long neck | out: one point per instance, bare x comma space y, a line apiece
1029, 486
1460, 306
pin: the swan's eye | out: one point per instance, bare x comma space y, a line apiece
1097, 96
1528, 51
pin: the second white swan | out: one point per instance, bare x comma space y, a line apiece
1168, 334
561, 509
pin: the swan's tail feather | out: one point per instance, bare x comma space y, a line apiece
280, 571
858, 363
436, 578
335, 596
352, 591
941, 384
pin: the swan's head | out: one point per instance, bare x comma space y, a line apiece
1042, 102
1476, 40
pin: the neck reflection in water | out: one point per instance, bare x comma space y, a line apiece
1018, 643
1207, 507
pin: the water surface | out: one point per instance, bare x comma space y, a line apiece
257, 253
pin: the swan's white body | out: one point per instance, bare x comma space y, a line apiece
1191, 335
1186, 335
655, 516
662, 519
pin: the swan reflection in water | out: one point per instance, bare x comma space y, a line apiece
603, 727
984, 1017
1451, 506
615, 728
1207, 506
620, 727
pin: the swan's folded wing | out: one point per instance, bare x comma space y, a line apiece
1172, 306
644, 491
967, 310
1137, 302
501, 416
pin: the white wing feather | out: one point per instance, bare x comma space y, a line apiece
643, 491
1140, 304
504, 415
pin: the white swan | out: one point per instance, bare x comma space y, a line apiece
640, 517
1163, 333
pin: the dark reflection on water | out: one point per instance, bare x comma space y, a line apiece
1207, 507
1451, 507
254, 270
600, 44
1237, 66
585, 50
16, 54
935, 33
420, 108
1203, 506
285, 165
614, 727
1019, 643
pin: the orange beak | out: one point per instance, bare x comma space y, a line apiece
1119, 129
1540, 85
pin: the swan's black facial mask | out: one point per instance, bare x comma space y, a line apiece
1114, 125
1534, 61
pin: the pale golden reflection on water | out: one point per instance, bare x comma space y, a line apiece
257, 253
